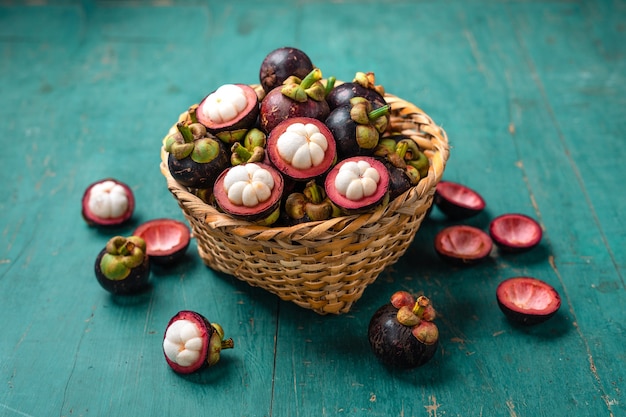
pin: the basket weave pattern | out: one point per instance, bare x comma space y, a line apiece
326, 265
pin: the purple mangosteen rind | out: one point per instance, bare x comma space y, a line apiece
96, 221
504, 230
282, 63
153, 231
395, 344
458, 201
539, 301
123, 267
473, 246
276, 107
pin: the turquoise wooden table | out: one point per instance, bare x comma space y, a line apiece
531, 94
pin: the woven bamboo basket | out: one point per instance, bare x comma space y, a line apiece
326, 265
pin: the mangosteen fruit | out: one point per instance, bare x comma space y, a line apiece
356, 127
301, 148
123, 266
229, 112
358, 184
527, 300
166, 240
195, 157
192, 343
294, 98
403, 152
107, 202
463, 244
458, 201
399, 181
251, 192
281, 64
311, 204
515, 232
402, 333
363, 85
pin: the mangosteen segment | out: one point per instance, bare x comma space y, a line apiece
527, 300
249, 191
462, 244
301, 148
123, 266
107, 202
515, 232
282, 63
458, 201
166, 240
191, 342
232, 108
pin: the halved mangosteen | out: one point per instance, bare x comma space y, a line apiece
515, 232
251, 192
527, 300
458, 201
107, 202
463, 245
358, 184
192, 343
166, 240
302, 148
229, 111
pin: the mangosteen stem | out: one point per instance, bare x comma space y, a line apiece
185, 131
420, 305
330, 84
379, 112
311, 78
314, 193
241, 151
228, 344
192, 113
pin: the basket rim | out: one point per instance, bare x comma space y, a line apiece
411, 120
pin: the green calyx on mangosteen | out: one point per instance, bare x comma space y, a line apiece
403, 152
402, 333
123, 266
229, 111
311, 204
357, 128
363, 85
295, 98
250, 149
195, 157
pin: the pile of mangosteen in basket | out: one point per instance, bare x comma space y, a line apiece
295, 148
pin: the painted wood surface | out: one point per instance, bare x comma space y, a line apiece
531, 94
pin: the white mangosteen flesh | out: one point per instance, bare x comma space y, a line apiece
302, 145
356, 180
183, 343
225, 103
108, 200
248, 185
